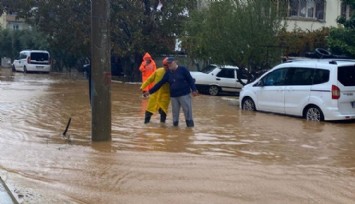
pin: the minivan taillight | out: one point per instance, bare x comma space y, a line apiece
29, 60
335, 92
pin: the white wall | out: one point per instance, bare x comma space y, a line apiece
5, 62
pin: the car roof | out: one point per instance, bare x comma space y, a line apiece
35, 51
313, 62
225, 66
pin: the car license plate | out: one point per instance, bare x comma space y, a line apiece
39, 67
353, 104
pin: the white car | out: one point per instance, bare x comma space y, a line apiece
32, 61
218, 78
317, 90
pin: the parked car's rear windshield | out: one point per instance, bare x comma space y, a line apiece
39, 56
346, 75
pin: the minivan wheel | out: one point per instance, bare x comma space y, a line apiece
314, 113
213, 90
248, 104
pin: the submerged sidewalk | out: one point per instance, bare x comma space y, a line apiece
6, 196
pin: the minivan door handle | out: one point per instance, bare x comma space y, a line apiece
218, 79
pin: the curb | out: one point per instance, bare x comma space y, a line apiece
6, 196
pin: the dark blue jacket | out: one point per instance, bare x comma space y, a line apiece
180, 80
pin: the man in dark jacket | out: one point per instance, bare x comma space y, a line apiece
181, 86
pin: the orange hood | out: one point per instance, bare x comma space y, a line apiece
147, 56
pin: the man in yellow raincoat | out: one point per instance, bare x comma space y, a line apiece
159, 101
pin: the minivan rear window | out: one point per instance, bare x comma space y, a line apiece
346, 75
39, 56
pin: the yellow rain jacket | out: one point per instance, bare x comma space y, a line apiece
161, 98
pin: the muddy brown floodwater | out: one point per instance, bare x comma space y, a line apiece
230, 156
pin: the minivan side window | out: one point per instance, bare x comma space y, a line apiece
321, 76
226, 73
275, 78
22, 56
346, 75
299, 76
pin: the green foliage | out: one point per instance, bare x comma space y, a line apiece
7, 5
66, 25
136, 27
12, 42
341, 40
6, 43
237, 32
298, 42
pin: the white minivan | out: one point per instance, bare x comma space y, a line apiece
322, 89
32, 61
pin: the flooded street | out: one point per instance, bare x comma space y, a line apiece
229, 156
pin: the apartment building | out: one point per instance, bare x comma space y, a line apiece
10, 21
315, 14
307, 14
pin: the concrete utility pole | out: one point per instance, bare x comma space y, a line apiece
100, 71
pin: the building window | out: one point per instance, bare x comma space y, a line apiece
309, 9
346, 11
15, 27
